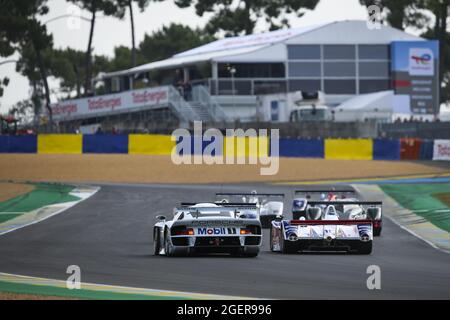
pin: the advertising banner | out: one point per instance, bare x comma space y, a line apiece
110, 104
441, 150
415, 75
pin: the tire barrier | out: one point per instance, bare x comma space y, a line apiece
154, 144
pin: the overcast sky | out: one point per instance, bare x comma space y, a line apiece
110, 33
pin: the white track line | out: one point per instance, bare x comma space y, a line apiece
399, 224
19, 279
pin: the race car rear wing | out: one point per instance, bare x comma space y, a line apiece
330, 222
363, 203
220, 204
325, 191
222, 209
250, 194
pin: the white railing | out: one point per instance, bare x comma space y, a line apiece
180, 107
201, 95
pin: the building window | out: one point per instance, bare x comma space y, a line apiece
304, 69
266, 87
236, 87
115, 84
306, 52
340, 86
373, 52
368, 86
304, 85
339, 69
125, 83
341, 52
252, 70
200, 71
374, 69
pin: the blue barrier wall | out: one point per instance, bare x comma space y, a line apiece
105, 143
204, 145
386, 149
426, 150
305, 148
383, 149
18, 144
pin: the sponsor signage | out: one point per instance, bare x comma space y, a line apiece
421, 62
441, 150
414, 67
215, 231
111, 104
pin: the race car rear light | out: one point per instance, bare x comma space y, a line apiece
246, 231
376, 223
251, 229
183, 232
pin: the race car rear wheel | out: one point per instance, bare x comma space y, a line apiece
271, 239
168, 248
156, 242
377, 232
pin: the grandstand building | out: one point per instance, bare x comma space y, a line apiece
224, 80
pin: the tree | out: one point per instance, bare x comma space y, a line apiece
108, 8
67, 65
234, 20
128, 4
401, 13
171, 40
439, 31
21, 31
13, 26
23, 110
413, 13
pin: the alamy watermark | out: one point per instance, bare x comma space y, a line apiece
374, 280
74, 280
374, 17
236, 147
74, 17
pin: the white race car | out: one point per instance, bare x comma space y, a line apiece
325, 228
232, 228
354, 211
268, 208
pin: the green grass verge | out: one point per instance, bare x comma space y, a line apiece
20, 288
8, 216
44, 194
422, 200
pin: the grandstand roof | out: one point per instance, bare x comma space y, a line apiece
234, 48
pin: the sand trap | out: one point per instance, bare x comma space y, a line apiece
12, 190
160, 169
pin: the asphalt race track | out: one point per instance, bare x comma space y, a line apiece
110, 237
